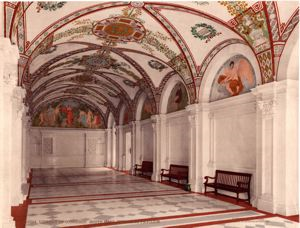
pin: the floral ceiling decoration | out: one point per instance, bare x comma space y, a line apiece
204, 32
51, 6
106, 54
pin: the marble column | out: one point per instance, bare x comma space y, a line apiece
133, 146
137, 142
199, 157
8, 83
16, 134
120, 148
277, 146
109, 147
26, 124
159, 125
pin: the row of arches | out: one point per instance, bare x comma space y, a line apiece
175, 96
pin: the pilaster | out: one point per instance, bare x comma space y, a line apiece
120, 148
109, 147
199, 158
159, 146
277, 146
133, 146
8, 83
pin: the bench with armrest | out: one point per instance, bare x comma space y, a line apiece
176, 172
230, 181
145, 168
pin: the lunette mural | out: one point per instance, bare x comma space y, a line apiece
236, 76
68, 113
178, 99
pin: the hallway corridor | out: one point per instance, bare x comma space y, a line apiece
93, 197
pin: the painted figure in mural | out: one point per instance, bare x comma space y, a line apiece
147, 110
235, 75
82, 119
68, 113
42, 119
89, 119
178, 98
96, 121
231, 80
69, 116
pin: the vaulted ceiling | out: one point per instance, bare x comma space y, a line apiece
106, 54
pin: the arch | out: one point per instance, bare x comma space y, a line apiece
110, 121
139, 107
166, 92
288, 67
122, 114
217, 62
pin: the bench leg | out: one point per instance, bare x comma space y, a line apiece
216, 191
249, 196
237, 197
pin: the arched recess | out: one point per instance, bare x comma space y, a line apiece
217, 62
166, 92
289, 61
139, 107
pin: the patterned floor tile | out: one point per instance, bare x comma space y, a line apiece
257, 223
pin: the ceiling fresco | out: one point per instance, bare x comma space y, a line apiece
106, 55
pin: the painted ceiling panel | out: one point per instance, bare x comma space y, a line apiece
155, 68
44, 78
286, 9
199, 33
106, 54
46, 14
223, 10
52, 53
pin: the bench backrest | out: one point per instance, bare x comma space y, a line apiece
231, 178
181, 170
147, 166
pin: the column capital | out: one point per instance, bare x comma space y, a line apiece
196, 108
158, 118
108, 130
9, 55
274, 88
17, 101
267, 107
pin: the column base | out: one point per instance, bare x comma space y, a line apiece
155, 177
287, 210
196, 187
265, 203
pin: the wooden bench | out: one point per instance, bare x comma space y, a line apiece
146, 167
230, 181
176, 172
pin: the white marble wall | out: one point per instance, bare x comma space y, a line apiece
146, 143
177, 138
67, 148
233, 136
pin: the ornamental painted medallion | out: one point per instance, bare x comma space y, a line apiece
119, 29
204, 31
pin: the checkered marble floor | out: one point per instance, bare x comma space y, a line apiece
260, 223
61, 180
96, 189
99, 196
114, 210
191, 220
